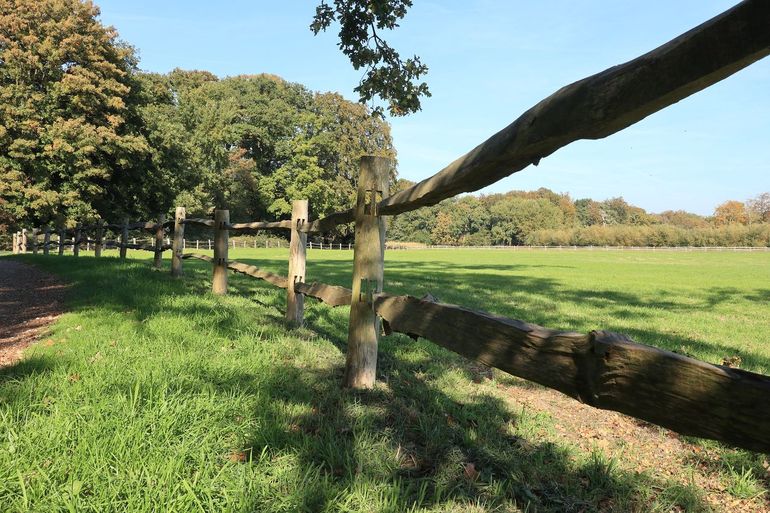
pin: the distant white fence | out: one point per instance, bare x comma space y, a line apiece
209, 244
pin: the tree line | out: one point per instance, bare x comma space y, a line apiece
86, 135
544, 217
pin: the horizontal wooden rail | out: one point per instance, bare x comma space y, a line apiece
250, 270
199, 222
260, 225
332, 295
325, 224
329, 222
602, 104
605, 370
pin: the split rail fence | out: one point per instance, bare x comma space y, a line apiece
603, 369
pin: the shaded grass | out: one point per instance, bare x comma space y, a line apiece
153, 395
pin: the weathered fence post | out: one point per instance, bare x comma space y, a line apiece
35, 231
368, 267
178, 248
297, 250
76, 242
15, 243
23, 248
99, 239
46, 240
124, 240
219, 272
62, 239
158, 260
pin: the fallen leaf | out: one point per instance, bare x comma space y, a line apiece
72, 378
470, 472
238, 456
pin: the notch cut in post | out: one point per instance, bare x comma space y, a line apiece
178, 247
372, 198
368, 266
295, 303
221, 234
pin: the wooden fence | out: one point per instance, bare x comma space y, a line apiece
605, 370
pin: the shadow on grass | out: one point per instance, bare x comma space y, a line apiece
408, 441
534, 299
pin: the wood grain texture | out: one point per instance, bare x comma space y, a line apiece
368, 266
219, 267
178, 246
330, 222
332, 295
200, 222
157, 261
61, 242
603, 104
295, 303
260, 225
605, 370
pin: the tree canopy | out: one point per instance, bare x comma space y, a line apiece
387, 76
84, 134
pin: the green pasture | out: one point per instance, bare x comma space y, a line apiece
153, 395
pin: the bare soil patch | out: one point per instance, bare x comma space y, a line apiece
634, 444
30, 300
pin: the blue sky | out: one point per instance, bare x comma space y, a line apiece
489, 62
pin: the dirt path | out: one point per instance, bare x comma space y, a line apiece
30, 300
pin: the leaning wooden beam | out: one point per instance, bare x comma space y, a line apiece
260, 225
329, 222
332, 295
199, 222
602, 369
603, 104
146, 247
274, 279
250, 270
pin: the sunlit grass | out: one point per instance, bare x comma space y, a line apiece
153, 395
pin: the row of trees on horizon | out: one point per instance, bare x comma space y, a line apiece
86, 135
544, 217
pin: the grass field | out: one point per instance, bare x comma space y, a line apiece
153, 395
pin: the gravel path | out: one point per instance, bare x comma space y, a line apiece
30, 300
